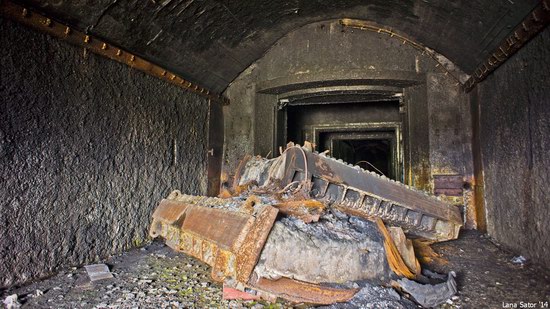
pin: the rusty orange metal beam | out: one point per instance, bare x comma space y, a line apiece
229, 241
303, 292
37, 21
256, 236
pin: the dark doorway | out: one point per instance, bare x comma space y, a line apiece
372, 155
365, 134
371, 150
301, 118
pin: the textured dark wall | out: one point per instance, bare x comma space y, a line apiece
515, 143
87, 148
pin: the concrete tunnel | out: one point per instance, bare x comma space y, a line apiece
108, 106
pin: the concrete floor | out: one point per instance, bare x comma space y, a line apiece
486, 276
157, 277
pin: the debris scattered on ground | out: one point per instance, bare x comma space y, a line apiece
12, 302
98, 272
374, 297
185, 275
151, 279
429, 295
312, 229
519, 260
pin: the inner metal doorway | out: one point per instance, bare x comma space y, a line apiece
368, 134
372, 151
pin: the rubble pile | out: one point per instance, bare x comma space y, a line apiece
311, 229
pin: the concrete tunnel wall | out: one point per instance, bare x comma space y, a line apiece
439, 127
513, 107
88, 147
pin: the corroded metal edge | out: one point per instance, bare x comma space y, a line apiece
302, 292
169, 211
251, 248
42, 23
535, 22
229, 241
394, 258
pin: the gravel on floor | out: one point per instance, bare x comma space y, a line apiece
487, 276
157, 277
151, 277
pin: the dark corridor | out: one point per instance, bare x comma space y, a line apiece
364, 134
374, 155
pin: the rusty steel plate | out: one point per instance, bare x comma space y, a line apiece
249, 251
303, 292
228, 240
220, 226
169, 211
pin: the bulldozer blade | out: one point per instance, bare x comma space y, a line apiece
229, 240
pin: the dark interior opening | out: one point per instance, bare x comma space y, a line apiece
300, 118
372, 150
372, 155
357, 133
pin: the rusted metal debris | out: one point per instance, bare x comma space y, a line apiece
306, 228
229, 240
353, 191
229, 236
303, 292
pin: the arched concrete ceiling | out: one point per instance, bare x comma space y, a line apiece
211, 41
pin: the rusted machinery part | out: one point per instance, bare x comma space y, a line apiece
305, 210
395, 260
230, 235
356, 192
229, 241
302, 292
367, 194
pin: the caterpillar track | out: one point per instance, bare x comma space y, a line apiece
355, 191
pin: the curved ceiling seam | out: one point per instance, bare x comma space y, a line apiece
442, 63
439, 58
